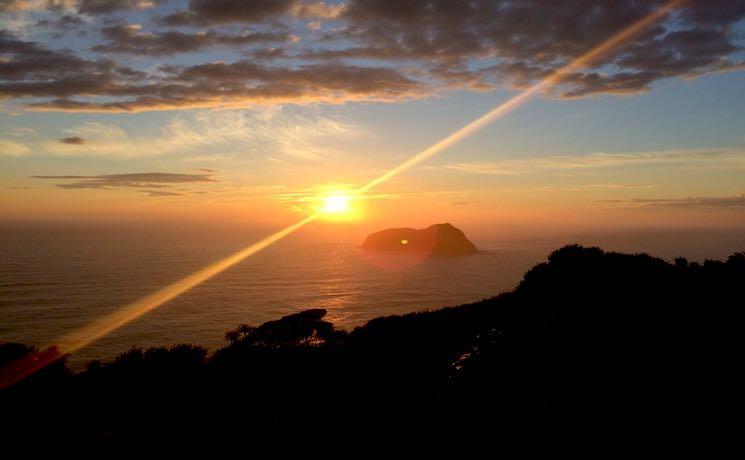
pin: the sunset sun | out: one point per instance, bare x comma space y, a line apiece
335, 204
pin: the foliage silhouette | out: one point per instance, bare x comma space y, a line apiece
588, 339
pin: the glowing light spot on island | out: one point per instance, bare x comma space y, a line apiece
404, 242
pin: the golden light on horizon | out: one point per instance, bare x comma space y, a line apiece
335, 204
338, 206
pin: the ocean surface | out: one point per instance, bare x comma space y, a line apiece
55, 278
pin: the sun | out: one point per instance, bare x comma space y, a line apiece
338, 206
335, 204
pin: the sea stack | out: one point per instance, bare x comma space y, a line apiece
436, 239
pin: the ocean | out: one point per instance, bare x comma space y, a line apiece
57, 277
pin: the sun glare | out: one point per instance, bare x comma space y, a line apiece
335, 204
338, 207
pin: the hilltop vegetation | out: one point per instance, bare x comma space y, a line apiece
587, 337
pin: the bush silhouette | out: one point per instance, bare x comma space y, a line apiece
589, 338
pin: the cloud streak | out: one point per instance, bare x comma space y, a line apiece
73, 140
13, 149
705, 157
724, 202
204, 136
131, 180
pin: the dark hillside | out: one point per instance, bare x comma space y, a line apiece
589, 337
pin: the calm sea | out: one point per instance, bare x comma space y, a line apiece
54, 278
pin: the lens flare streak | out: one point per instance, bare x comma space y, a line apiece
124, 315
555, 78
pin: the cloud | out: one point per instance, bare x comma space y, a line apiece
238, 84
91, 7
370, 50
161, 193
101, 7
13, 149
33, 70
29, 69
137, 180
720, 157
73, 140
20, 5
725, 202
206, 136
531, 38
201, 12
20, 131
211, 12
267, 54
62, 23
129, 38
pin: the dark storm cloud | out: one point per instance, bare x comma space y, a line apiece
139, 180
73, 140
123, 38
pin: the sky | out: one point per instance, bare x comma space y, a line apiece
226, 110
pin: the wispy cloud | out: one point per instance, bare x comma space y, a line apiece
267, 132
722, 202
132, 180
13, 149
20, 131
161, 193
698, 157
590, 187
73, 140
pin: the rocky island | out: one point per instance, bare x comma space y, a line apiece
435, 239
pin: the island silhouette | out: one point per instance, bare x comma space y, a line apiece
589, 342
436, 239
